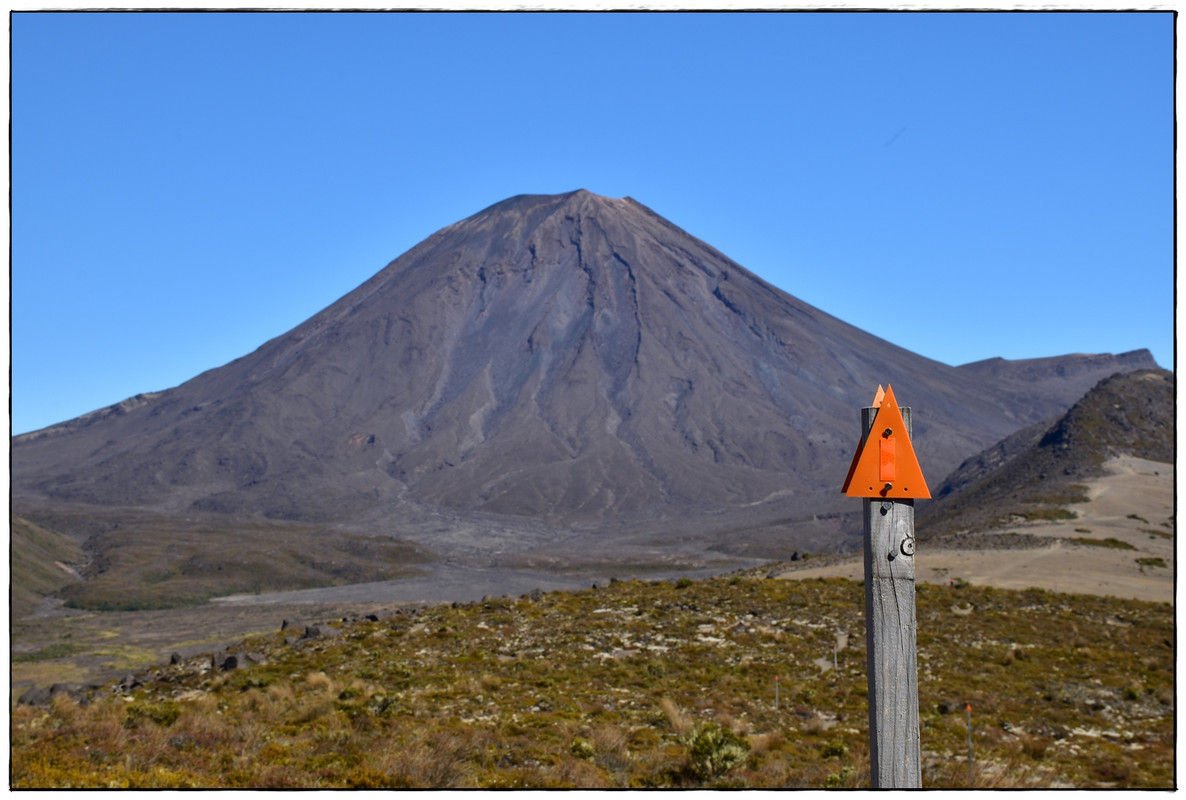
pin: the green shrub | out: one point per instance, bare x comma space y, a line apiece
837, 779
582, 748
833, 749
714, 750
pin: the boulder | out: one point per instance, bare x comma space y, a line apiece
223, 661
36, 696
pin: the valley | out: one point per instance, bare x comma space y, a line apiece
1132, 504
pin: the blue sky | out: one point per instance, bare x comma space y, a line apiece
187, 186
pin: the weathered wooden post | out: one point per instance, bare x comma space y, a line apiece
971, 767
885, 473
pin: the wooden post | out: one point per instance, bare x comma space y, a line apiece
894, 752
971, 768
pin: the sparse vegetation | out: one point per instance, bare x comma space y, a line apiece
1048, 514
638, 684
1111, 541
1075, 493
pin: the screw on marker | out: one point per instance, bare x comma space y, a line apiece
908, 546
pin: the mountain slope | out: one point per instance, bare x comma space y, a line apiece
545, 373
41, 562
1041, 465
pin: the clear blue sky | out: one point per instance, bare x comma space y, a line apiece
187, 186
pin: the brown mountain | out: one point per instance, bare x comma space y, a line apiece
1041, 467
536, 381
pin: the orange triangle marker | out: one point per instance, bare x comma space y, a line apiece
885, 464
877, 398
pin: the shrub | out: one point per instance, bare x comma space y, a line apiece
833, 749
714, 750
836, 780
582, 748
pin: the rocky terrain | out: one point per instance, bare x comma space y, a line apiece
555, 383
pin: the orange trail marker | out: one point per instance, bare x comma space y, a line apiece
889, 471
877, 398
886, 475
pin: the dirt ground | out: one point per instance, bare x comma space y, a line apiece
1134, 503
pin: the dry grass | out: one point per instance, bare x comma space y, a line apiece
1067, 690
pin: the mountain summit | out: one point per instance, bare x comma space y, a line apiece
560, 363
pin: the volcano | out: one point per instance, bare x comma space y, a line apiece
552, 373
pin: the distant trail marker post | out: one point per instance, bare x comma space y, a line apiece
886, 474
971, 768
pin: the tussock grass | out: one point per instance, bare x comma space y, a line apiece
640, 685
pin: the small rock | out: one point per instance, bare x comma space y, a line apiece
224, 661
318, 631
37, 696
